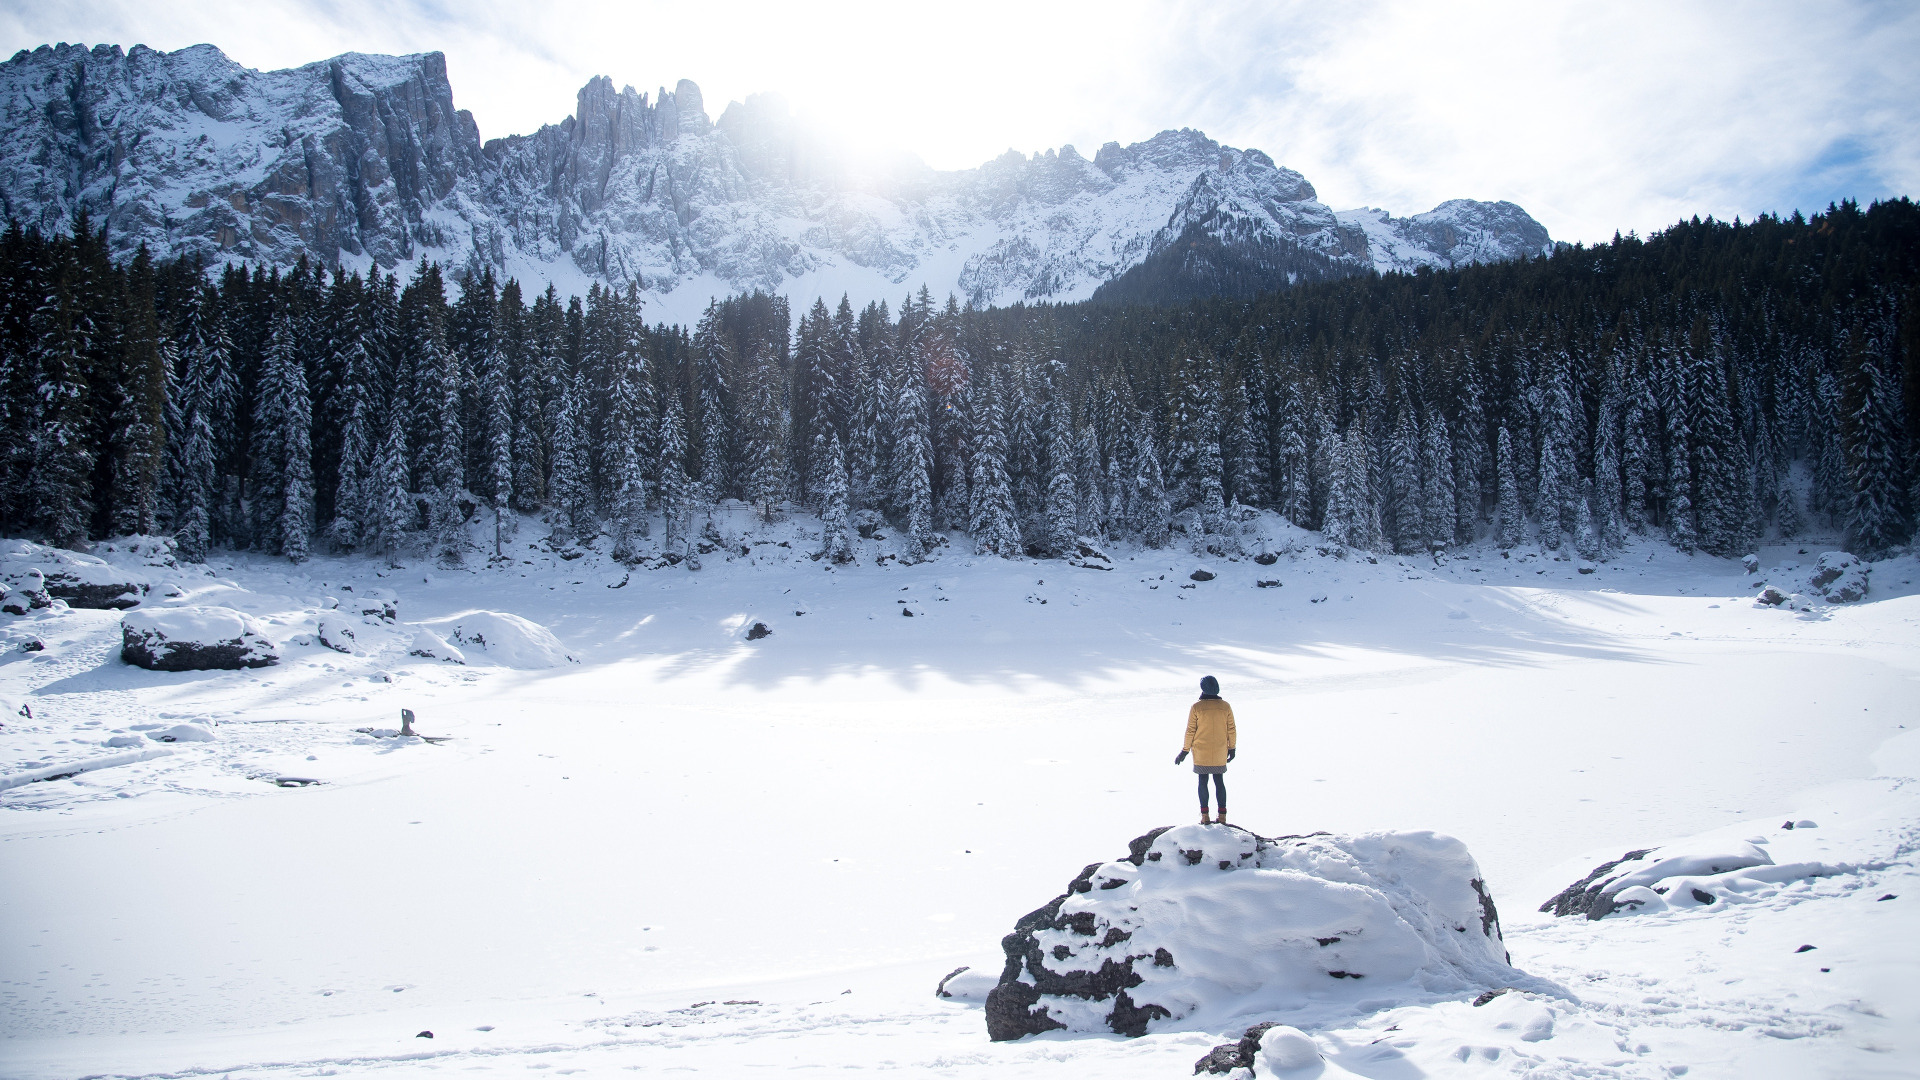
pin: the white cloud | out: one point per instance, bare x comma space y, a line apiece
1627, 115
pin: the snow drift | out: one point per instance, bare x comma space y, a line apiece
194, 639
1200, 919
506, 639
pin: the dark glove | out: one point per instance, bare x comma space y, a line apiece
1230, 752
1180, 757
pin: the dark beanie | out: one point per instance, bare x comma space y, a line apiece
1210, 686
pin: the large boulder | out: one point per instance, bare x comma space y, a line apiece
83, 581
1841, 577
1202, 922
194, 639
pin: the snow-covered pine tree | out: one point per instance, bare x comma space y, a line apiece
1609, 534
1874, 437
1470, 456
1586, 540
1063, 504
1679, 513
763, 433
1721, 492
1243, 457
912, 461
1152, 510
990, 518
1639, 472
713, 364
1292, 461
569, 480
629, 413
282, 485
136, 436
59, 452
1089, 481
1556, 503
1405, 509
496, 394
354, 406
390, 507
1437, 494
1509, 524
830, 471
676, 489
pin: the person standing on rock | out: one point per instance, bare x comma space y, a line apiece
1211, 740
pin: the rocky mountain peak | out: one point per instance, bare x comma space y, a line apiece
365, 159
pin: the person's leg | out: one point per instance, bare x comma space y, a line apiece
1203, 791
1220, 794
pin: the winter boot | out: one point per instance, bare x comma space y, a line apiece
1206, 816
1222, 819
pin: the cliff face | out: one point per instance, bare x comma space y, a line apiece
366, 160
188, 152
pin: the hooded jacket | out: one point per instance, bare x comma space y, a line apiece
1210, 731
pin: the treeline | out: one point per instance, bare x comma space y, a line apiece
1713, 384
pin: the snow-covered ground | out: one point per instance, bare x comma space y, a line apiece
648, 843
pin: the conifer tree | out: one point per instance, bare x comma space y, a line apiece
990, 517
1437, 493
283, 450
1604, 505
496, 390
1509, 523
390, 506
1405, 508
1292, 462
836, 540
1876, 511
1152, 509
676, 489
60, 457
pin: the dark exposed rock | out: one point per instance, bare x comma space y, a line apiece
1488, 996
1201, 573
1227, 1057
759, 630
1266, 558
1703, 896
1583, 897
1266, 583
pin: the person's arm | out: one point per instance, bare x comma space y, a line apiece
1193, 728
1233, 735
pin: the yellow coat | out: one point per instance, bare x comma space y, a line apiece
1210, 732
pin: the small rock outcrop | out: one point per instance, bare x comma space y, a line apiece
1202, 919
194, 639
1631, 881
83, 581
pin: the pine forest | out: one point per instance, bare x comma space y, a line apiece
1712, 385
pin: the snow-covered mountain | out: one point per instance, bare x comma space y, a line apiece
365, 159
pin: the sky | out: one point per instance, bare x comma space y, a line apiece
1594, 117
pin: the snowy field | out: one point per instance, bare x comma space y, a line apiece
648, 844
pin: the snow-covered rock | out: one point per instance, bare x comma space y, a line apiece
83, 581
336, 633
967, 984
194, 639
1283, 1048
1202, 920
1841, 577
432, 646
379, 604
367, 158
1686, 875
1087, 555
181, 733
506, 639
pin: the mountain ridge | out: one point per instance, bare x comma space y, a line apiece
364, 159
